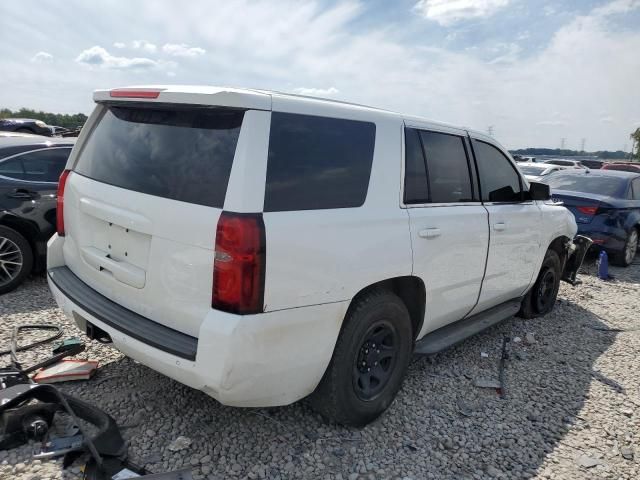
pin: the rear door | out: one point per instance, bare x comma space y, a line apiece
142, 204
514, 223
28, 185
449, 229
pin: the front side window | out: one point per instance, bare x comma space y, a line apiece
447, 168
317, 162
499, 180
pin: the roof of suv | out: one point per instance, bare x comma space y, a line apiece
254, 98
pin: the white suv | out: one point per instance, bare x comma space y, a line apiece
262, 247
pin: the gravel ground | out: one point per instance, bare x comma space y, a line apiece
571, 408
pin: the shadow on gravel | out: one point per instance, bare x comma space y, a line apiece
32, 296
440, 426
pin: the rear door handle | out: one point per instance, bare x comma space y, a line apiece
429, 233
22, 193
499, 226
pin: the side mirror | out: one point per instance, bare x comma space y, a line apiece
539, 191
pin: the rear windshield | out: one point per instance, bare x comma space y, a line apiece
178, 153
598, 184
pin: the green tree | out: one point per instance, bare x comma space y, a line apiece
58, 119
635, 136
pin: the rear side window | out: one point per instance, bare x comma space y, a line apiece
317, 162
447, 168
45, 165
39, 166
12, 168
635, 186
499, 180
183, 154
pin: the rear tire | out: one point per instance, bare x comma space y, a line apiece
16, 259
628, 254
542, 297
369, 361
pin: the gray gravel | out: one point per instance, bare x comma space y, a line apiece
571, 408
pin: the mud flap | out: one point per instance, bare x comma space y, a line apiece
577, 251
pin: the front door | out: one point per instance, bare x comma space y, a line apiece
514, 227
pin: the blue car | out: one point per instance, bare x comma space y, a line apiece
606, 204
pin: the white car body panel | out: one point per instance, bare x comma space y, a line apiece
316, 261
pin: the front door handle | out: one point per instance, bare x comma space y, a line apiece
429, 233
499, 226
22, 193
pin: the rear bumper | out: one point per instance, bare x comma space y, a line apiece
611, 239
270, 359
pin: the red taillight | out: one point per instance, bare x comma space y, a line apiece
588, 210
60, 202
239, 265
127, 93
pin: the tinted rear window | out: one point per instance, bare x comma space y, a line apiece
317, 162
598, 184
183, 154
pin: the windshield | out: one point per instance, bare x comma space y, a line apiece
598, 184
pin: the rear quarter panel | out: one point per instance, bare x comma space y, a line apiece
324, 256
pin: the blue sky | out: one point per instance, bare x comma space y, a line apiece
536, 71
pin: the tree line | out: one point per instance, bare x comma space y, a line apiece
57, 119
561, 152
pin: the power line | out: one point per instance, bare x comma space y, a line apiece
563, 141
584, 141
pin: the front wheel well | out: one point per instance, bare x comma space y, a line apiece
411, 291
560, 246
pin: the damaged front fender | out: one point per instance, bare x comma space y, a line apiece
576, 251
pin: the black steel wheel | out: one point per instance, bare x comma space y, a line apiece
542, 297
375, 360
369, 361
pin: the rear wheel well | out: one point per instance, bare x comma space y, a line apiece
411, 290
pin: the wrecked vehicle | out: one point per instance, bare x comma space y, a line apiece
263, 247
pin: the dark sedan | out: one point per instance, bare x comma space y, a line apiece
29, 172
606, 204
26, 125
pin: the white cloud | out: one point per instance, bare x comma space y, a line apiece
42, 57
144, 45
551, 123
182, 50
448, 12
119, 44
316, 92
607, 119
99, 57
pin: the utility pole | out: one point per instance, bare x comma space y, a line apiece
562, 143
584, 141
490, 130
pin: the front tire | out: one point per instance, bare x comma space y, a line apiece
369, 361
542, 297
16, 259
628, 254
